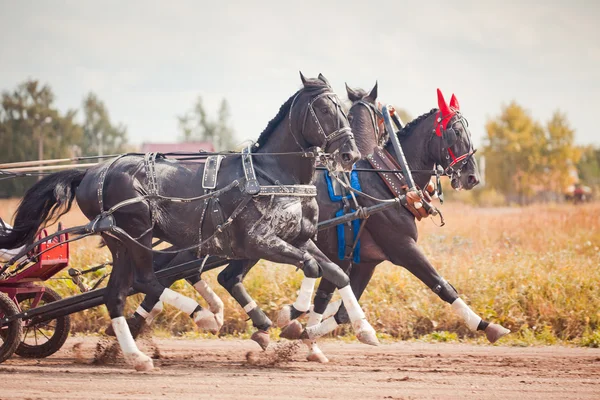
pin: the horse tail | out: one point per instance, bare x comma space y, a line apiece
47, 200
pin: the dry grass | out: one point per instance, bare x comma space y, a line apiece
535, 270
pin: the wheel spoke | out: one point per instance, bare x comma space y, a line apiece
43, 334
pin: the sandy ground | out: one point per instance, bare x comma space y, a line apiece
222, 369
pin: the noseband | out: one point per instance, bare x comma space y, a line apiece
328, 138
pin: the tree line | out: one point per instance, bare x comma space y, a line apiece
527, 160
32, 128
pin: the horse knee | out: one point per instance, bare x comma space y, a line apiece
311, 267
226, 280
337, 277
445, 290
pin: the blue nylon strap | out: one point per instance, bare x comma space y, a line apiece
341, 234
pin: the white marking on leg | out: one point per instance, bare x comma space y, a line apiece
179, 301
214, 302
132, 354
355, 312
302, 303
314, 319
332, 309
464, 311
250, 306
321, 329
143, 313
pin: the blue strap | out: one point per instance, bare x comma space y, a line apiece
341, 232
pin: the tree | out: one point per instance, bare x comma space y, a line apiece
560, 154
195, 124
523, 157
32, 128
100, 136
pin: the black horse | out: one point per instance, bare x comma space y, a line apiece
439, 137
427, 141
392, 234
126, 200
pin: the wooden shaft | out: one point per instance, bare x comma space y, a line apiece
49, 167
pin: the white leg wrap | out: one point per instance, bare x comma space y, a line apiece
302, 303
143, 313
214, 302
321, 329
179, 301
314, 319
332, 309
130, 350
354, 311
471, 319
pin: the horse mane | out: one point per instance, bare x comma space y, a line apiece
310, 85
408, 128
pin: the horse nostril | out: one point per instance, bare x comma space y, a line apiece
473, 180
346, 157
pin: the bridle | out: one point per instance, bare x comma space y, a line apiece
450, 135
376, 120
328, 138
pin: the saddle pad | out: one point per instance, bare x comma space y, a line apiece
211, 171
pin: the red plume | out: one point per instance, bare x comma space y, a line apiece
454, 102
442, 105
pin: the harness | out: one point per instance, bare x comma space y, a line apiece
450, 135
248, 185
339, 133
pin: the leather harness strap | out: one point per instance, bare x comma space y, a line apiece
381, 159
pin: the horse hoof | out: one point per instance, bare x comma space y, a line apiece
292, 331
317, 357
207, 321
365, 332
494, 332
284, 317
262, 338
140, 361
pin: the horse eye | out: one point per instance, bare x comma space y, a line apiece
325, 110
350, 118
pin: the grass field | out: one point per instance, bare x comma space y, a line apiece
536, 270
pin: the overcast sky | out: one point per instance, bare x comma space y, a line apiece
149, 60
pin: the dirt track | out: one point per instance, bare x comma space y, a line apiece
219, 369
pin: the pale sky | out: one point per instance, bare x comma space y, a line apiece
149, 60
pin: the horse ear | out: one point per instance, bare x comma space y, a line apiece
352, 95
442, 105
454, 102
302, 78
323, 79
372, 96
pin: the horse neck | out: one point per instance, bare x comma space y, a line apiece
290, 169
416, 148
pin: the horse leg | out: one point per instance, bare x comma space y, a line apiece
116, 293
360, 275
147, 282
413, 259
333, 273
231, 279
